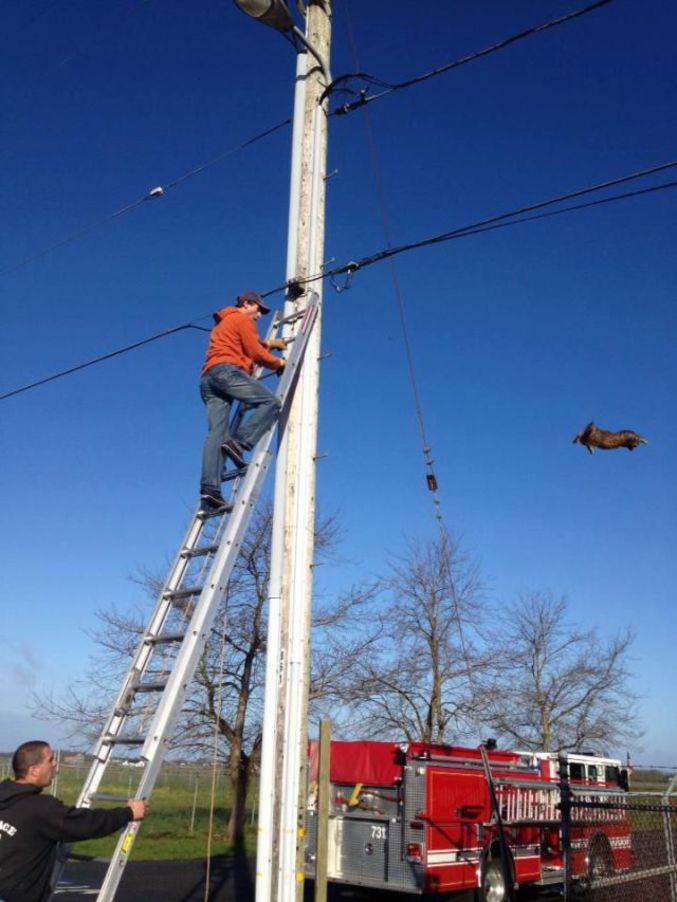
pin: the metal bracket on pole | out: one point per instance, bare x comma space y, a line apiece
307, 43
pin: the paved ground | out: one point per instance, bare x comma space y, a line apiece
232, 880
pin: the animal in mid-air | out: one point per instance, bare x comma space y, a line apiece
592, 437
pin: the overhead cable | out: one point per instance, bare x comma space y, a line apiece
100, 359
334, 86
152, 194
446, 545
501, 220
431, 479
484, 224
389, 88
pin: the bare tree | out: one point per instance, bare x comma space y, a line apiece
418, 681
226, 696
559, 686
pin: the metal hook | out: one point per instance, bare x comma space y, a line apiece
346, 282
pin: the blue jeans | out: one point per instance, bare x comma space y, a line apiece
219, 387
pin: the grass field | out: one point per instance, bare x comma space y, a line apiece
178, 823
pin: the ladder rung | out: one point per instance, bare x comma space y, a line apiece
183, 593
124, 740
151, 687
229, 475
164, 638
108, 797
203, 551
210, 513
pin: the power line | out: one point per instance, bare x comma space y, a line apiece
431, 479
161, 190
390, 88
484, 225
152, 194
387, 231
364, 98
592, 203
100, 359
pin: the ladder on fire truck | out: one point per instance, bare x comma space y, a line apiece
175, 637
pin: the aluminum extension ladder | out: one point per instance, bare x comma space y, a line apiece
175, 637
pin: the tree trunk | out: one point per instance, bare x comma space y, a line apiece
239, 782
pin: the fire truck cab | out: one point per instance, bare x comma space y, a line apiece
420, 818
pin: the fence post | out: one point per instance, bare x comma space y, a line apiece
322, 836
565, 810
669, 836
55, 782
192, 816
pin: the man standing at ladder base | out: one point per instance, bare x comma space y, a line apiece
234, 349
32, 824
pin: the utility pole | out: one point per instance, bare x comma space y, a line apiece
279, 871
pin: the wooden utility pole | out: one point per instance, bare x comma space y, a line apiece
284, 754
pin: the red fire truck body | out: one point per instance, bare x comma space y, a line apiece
419, 818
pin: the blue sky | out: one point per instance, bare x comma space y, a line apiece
519, 336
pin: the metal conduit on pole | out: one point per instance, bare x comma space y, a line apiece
269, 750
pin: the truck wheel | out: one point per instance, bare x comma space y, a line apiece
493, 882
599, 859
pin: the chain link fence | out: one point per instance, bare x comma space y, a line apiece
619, 848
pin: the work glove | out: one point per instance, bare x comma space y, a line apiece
277, 344
280, 370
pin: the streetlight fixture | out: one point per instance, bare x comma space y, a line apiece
276, 14
271, 12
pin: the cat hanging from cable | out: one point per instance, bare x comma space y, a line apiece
592, 437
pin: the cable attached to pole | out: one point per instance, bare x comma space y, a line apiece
152, 194
431, 479
100, 359
502, 220
364, 98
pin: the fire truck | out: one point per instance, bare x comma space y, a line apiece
424, 818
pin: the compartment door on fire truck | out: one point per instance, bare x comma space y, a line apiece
457, 802
364, 848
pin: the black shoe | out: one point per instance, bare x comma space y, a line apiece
213, 501
235, 451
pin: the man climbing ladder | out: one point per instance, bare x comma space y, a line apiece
234, 348
172, 644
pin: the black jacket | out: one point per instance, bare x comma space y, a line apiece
31, 825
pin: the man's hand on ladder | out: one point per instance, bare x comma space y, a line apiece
139, 808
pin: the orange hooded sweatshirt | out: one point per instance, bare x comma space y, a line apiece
235, 339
